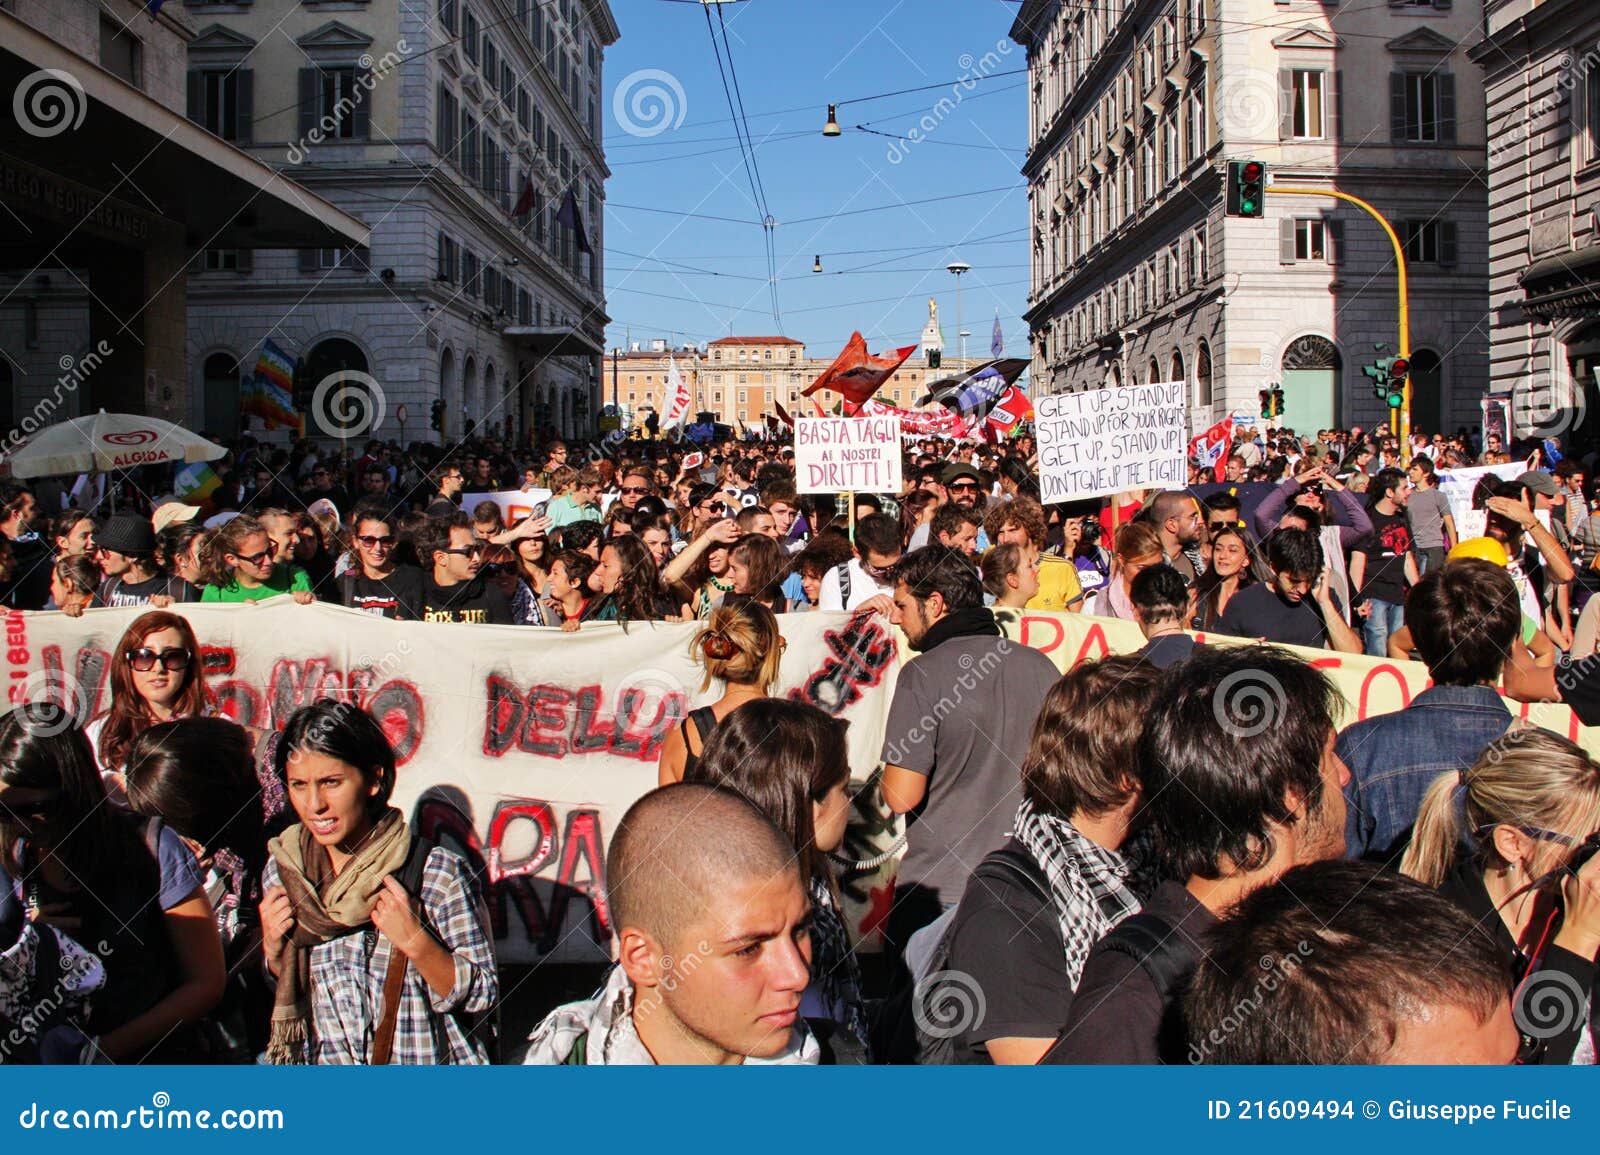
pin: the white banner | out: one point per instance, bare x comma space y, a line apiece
1457, 486
518, 747
847, 454
1109, 440
515, 504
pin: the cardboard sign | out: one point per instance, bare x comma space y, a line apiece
847, 454
1110, 440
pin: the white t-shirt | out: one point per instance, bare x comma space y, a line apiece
862, 587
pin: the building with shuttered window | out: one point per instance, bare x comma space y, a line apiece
1135, 107
457, 129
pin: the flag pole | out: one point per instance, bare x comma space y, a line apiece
850, 496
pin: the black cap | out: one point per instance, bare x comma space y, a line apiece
126, 533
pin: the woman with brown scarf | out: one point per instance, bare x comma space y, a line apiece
363, 975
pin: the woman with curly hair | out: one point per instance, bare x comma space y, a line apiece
740, 646
628, 584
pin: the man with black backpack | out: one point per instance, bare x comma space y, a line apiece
1242, 783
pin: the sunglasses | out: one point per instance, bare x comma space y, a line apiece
255, 558
144, 659
465, 551
372, 542
972, 485
639, 489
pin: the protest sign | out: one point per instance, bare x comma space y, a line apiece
1108, 440
520, 748
1457, 485
515, 504
847, 454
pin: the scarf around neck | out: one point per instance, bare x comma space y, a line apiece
972, 622
1088, 883
326, 906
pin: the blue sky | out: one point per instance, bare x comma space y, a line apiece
791, 58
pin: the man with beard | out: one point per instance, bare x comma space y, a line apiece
453, 591
28, 587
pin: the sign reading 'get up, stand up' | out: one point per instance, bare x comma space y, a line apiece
1109, 440
847, 454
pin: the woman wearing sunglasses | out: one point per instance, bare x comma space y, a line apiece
378, 583
239, 566
155, 677
1526, 809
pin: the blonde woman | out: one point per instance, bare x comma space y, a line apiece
1528, 808
1137, 548
740, 646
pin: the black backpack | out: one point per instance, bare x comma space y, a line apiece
1169, 959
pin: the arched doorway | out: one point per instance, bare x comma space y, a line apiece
449, 390
1202, 374
1114, 378
219, 393
1311, 379
1427, 392
334, 355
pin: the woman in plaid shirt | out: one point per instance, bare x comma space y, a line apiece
336, 918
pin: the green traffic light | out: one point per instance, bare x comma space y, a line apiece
1248, 207
1396, 400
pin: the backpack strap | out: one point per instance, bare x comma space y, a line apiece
844, 585
1013, 862
394, 977
347, 586
1158, 948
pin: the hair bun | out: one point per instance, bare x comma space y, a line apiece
717, 645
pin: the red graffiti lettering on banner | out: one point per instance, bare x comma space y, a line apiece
80, 693
542, 904
17, 654
553, 721
1033, 625
1362, 710
860, 653
1095, 639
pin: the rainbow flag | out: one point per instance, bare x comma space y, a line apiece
194, 484
268, 393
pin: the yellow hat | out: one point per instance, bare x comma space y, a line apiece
1482, 548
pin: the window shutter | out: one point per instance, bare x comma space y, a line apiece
1286, 242
362, 95
308, 260
1333, 95
1334, 231
247, 261
442, 261
196, 110
1285, 103
1447, 243
1397, 106
1447, 108
244, 107
308, 100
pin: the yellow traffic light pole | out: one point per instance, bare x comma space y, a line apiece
1404, 431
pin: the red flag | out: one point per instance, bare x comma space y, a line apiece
1008, 412
1210, 449
524, 204
855, 374
783, 414
817, 405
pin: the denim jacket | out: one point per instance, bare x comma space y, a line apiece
1394, 757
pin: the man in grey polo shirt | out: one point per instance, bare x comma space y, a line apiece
1433, 530
959, 727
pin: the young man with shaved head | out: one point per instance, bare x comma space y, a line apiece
713, 943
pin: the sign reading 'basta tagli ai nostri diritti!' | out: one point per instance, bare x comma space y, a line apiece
847, 454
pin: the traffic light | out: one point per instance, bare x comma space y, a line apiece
1277, 401
436, 414
1266, 402
1395, 393
1247, 185
1378, 371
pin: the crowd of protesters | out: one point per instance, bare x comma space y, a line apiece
1121, 864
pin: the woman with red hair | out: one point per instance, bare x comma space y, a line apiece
155, 678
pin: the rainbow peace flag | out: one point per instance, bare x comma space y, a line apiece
268, 393
194, 484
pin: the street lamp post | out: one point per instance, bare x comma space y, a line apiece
956, 268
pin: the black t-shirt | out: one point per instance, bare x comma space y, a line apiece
473, 601
1258, 612
1168, 650
399, 596
116, 591
1006, 937
441, 506
1386, 548
29, 587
